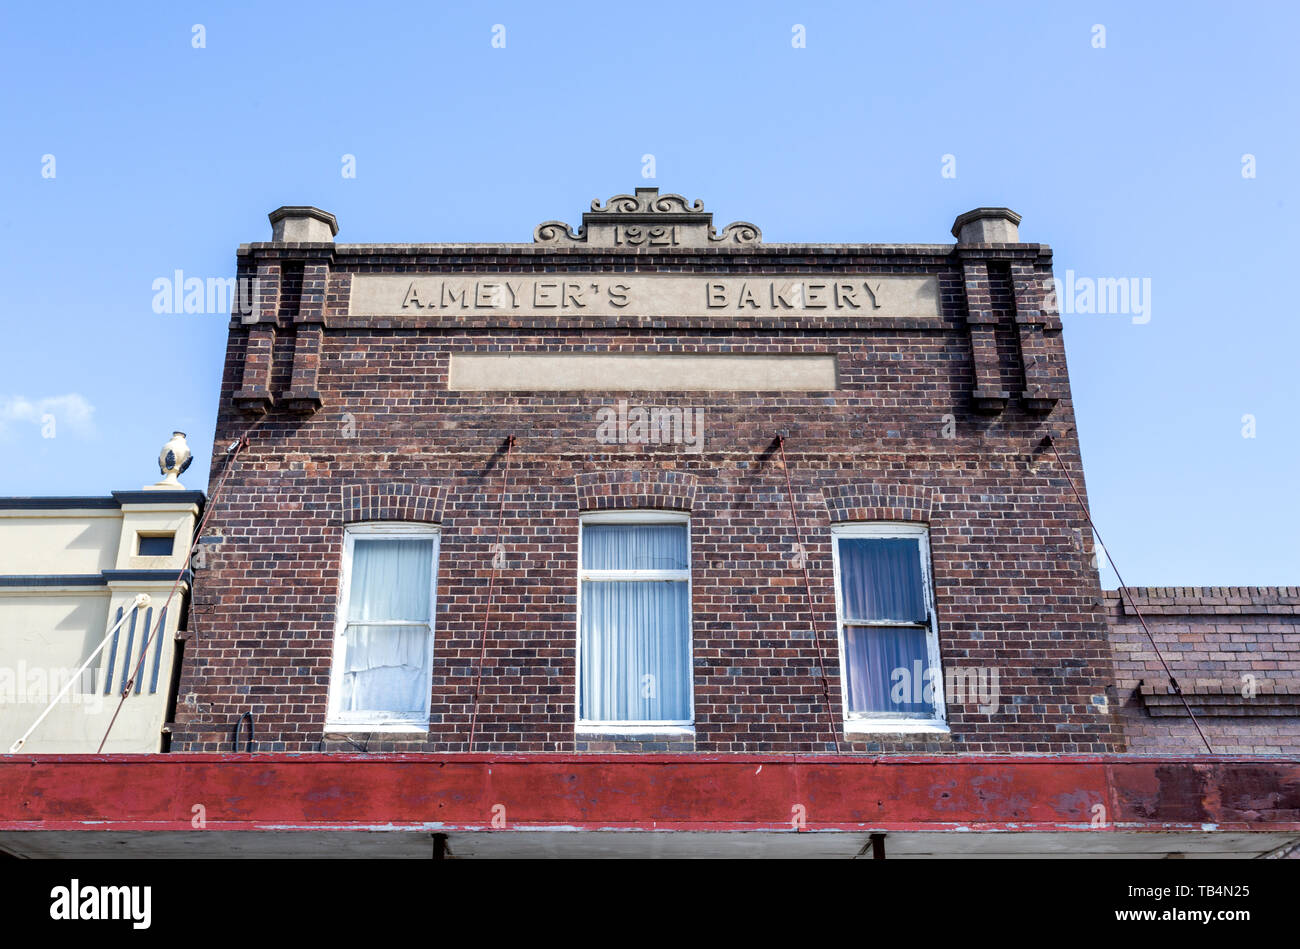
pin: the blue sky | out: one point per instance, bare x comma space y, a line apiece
1127, 159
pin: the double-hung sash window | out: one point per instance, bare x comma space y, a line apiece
383, 651
634, 622
889, 647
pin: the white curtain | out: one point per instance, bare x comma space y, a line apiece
636, 644
386, 663
880, 578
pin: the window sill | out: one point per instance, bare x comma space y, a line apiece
355, 728
865, 728
639, 731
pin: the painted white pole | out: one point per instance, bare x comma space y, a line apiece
141, 600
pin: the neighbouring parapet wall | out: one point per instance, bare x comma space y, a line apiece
1236, 654
70, 568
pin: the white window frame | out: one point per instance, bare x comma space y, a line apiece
874, 723
373, 721
639, 516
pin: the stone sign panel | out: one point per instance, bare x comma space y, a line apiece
603, 294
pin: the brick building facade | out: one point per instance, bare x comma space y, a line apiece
933, 413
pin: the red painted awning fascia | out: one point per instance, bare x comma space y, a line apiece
462, 792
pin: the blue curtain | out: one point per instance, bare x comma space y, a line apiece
386, 666
886, 669
881, 577
874, 655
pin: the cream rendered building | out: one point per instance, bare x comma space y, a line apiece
70, 569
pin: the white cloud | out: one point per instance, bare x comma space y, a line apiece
55, 413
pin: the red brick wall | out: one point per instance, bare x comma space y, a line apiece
1014, 588
1212, 638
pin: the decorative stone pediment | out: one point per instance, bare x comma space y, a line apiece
647, 220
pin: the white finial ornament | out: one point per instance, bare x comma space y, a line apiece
174, 458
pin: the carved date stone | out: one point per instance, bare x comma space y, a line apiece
649, 221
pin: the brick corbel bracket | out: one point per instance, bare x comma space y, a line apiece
634, 488
989, 397
980, 234
254, 392
1036, 313
393, 501
309, 331
307, 233
879, 502
305, 225
977, 233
